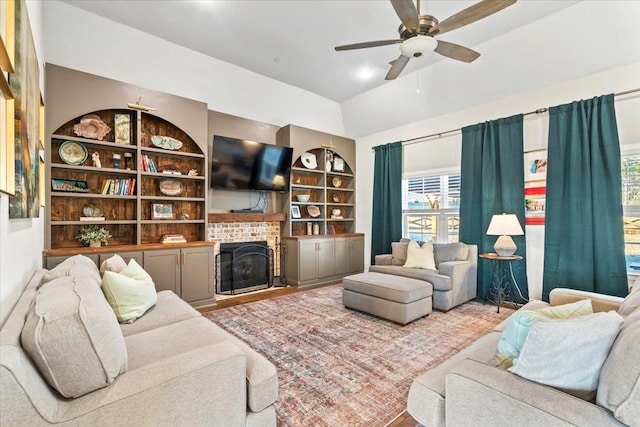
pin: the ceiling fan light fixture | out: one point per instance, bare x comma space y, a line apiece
416, 46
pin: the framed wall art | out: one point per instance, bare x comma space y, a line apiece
24, 83
295, 212
69, 185
534, 209
122, 128
162, 211
535, 165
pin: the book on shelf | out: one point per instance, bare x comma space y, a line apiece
173, 238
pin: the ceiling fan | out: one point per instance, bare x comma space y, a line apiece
417, 32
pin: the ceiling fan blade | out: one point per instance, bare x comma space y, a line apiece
470, 14
455, 51
397, 65
367, 44
406, 11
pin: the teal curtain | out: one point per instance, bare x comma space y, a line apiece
387, 198
584, 237
492, 182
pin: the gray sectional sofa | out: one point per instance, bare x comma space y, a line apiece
170, 367
455, 280
469, 390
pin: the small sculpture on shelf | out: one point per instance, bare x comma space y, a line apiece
91, 126
116, 161
193, 172
95, 158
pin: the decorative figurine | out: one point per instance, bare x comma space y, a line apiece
95, 157
193, 172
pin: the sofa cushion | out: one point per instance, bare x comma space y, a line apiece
151, 346
515, 334
440, 282
399, 253
450, 252
426, 400
420, 256
630, 303
130, 293
77, 265
169, 309
114, 263
569, 353
73, 337
619, 387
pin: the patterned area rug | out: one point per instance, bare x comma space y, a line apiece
338, 367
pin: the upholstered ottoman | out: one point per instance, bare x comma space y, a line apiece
396, 298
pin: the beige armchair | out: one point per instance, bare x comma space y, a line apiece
455, 280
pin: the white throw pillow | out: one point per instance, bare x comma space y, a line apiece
568, 354
130, 293
420, 256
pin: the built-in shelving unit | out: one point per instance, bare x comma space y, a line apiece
331, 195
128, 214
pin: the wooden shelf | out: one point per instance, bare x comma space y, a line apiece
93, 169
90, 195
246, 217
322, 236
95, 142
113, 222
123, 248
171, 176
163, 152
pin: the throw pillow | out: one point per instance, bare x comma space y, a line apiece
620, 376
399, 253
114, 263
130, 293
77, 265
420, 256
73, 337
569, 353
515, 333
630, 303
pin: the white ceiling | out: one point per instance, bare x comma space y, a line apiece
293, 41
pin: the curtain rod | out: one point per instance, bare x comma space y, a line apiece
538, 111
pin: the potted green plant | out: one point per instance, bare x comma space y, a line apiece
93, 236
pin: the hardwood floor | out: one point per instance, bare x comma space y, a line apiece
403, 420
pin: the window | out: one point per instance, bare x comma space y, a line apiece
631, 209
430, 208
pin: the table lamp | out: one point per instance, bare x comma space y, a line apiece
505, 226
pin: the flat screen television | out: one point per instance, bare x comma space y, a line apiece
239, 164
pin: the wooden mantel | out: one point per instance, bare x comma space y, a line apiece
246, 217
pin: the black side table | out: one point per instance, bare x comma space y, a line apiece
500, 288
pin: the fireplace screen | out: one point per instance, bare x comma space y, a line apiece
243, 267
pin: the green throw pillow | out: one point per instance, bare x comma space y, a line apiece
130, 293
519, 324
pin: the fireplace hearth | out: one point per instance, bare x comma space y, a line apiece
244, 267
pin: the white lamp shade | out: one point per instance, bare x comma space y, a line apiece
418, 44
504, 225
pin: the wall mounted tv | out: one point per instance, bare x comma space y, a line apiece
239, 164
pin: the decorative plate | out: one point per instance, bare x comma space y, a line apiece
73, 153
336, 181
309, 160
93, 210
166, 142
314, 211
170, 187
91, 126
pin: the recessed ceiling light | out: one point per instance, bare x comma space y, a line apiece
365, 73
276, 59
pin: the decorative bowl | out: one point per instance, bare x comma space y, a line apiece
314, 211
337, 182
309, 160
91, 126
303, 197
166, 142
170, 187
73, 153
